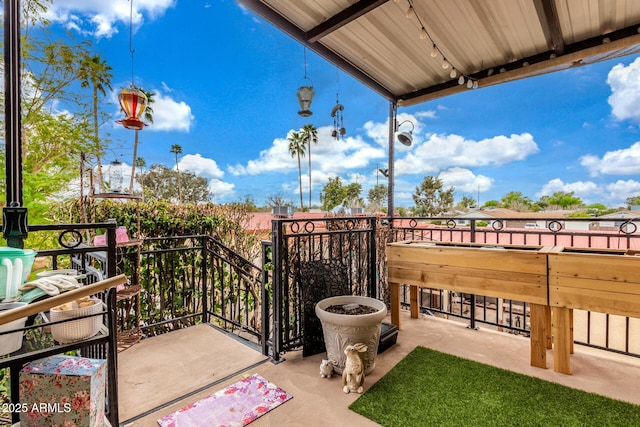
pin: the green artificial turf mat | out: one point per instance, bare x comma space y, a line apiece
430, 388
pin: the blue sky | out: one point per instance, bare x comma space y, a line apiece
225, 86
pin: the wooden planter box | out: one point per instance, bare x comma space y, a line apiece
606, 281
504, 271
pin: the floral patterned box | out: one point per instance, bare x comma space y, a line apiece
63, 391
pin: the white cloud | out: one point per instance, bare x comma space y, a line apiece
621, 190
221, 190
100, 18
617, 162
464, 180
169, 114
201, 166
328, 155
585, 190
429, 114
625, 91
440, 152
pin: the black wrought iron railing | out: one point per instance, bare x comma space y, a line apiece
335, 254
37, 343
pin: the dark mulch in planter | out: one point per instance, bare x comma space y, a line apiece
350, 309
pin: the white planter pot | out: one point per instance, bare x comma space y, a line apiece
341, 330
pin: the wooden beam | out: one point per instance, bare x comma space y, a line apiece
271, 16
341, 19
552, 23
622, 42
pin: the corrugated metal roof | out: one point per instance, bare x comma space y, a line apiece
381, 42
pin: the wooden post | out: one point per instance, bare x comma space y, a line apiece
414, 304
547, 315
561, 317
394, 295
539, 335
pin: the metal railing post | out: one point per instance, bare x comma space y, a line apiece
276, 255
472, 313
205, 295
112, 261
373, 279
265, 302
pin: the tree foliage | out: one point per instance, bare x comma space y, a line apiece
431, 198
228, 223
297, 149
161, 183
277, 200
56, 113
633, 201
514, 200
563, 200
352, 196
467, 202
95, 74
309, 135
333, 194
377, 197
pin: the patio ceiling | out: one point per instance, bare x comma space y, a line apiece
382, 42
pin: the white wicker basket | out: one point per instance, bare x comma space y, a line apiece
78, 329
11, 342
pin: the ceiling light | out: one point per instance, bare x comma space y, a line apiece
409, 13
423, 34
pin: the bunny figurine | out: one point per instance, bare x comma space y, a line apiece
326, 368
353, 373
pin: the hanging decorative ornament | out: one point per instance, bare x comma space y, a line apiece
305, 91
336, 113
133, 102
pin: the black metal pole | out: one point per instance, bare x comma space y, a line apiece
14, 215
392, 129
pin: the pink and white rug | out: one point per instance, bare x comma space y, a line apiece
236, 405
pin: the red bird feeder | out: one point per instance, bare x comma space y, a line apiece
133, 102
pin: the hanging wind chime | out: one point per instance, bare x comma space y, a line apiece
305, 91
336, 113
133, 101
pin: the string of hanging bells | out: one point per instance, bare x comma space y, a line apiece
133, 101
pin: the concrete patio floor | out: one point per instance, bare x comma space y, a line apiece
163, 374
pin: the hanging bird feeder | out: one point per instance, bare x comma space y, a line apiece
305, 91
305, 96
133, 102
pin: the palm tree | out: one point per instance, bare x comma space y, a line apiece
148, 116
297, 148
141, 163
95, 73
177, 149
309, 135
